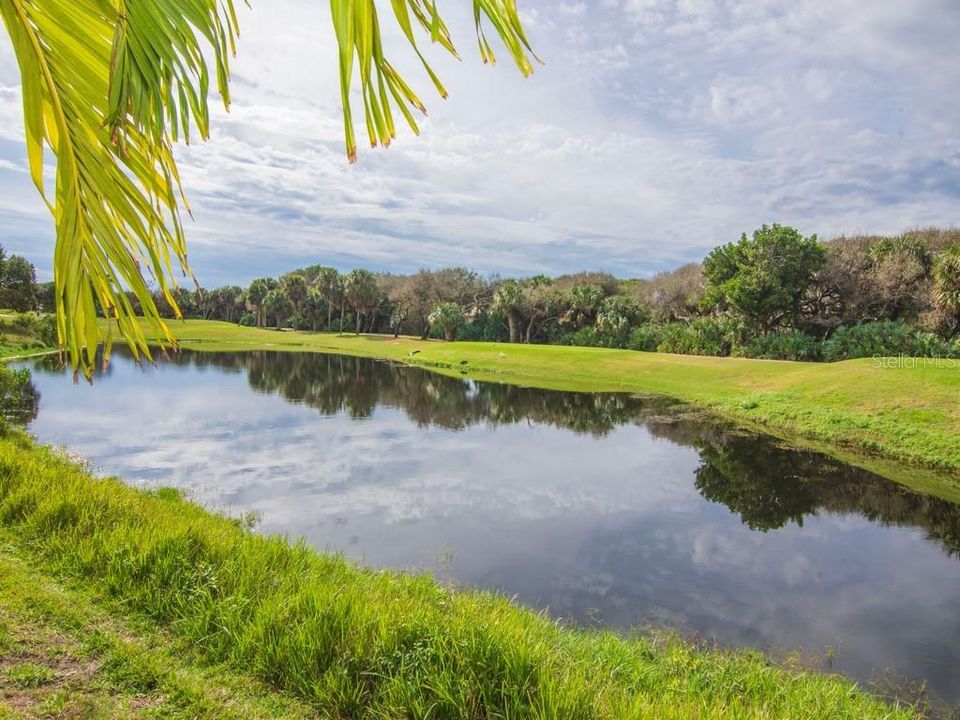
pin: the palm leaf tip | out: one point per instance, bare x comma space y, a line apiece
159, 77
110, 85
117, 202
382, 88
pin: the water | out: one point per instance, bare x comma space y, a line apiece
606, 510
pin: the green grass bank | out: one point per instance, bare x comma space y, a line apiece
67, 652
149, 575
25, 335
900, 419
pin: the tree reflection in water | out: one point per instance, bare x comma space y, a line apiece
765, 483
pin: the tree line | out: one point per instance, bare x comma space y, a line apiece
772, 294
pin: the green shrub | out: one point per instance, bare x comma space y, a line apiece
593, 337
928, 344
473, 332
248, 320
709, 335
584, 337
47, 330
884, 339
487, 327
484, 328
616, 316
784, 345
25, 323
298, 322
645, 338
676, 338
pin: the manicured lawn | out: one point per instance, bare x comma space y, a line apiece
139, 603
902, 422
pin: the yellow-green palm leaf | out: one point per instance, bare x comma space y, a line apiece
108, 87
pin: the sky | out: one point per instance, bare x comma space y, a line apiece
655, 130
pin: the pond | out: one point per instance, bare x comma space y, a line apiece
604, 510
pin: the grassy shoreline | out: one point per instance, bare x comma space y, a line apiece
67, 652
349, 641
900, 422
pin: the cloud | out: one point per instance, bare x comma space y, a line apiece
657, 129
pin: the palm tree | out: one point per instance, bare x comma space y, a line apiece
313, 307
277, 305
448, 317
109, 86
255, 296
295, 287
946, 282
584, 302
361, 291
330, 285
509, 301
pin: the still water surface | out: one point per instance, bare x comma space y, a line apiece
606, 510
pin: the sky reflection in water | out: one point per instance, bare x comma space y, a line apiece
603, 509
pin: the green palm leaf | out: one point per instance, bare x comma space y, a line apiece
159, 78
115, 200
946, 281
110, 85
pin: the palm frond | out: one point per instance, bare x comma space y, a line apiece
159, 76
946, 281
110, 85
117, 197
382, 88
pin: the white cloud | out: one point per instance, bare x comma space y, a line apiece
657, 129
11, 112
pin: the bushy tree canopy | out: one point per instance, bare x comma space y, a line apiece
18, 285
277, 305
763, 277
448, 317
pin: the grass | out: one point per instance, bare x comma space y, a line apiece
18, 336
28, 675
66, 652
345, 641
901, 422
